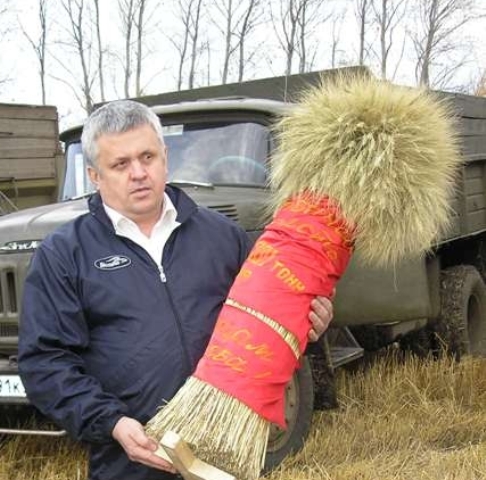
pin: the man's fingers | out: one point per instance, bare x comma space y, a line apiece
142, 440
146, 454
154, 461
313, 336
320, 316
138, 446
323, 307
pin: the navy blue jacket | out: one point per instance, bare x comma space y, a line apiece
102, 336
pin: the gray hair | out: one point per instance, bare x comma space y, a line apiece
116, 117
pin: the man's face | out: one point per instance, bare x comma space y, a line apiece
131, 172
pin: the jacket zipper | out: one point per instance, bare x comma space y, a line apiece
163, 280
162, 276
179, 327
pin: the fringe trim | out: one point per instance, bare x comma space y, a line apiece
288, 337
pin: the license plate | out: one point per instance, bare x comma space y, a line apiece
11, 386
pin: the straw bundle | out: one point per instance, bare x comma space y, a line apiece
386, 154
360, 163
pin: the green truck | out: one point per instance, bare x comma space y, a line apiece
220, 140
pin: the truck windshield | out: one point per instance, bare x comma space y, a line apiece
232, 154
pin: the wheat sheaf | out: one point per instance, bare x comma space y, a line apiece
387, 154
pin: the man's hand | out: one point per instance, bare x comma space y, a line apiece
320, 317
139, 448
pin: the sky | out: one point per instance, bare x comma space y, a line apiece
20, 62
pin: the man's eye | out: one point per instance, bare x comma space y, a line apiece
120, 165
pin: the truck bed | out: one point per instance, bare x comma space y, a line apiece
469, 202
30, 156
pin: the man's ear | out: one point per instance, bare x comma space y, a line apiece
94, 176
166, 151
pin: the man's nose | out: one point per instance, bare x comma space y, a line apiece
137, 170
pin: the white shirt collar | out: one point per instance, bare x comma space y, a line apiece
161, 232
121, 222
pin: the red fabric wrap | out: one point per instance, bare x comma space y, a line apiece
301, 254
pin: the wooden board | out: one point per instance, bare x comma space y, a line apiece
474, 145
176, 451
28, 148
465, 105
13, 110
27, 168
472, 126
27, 128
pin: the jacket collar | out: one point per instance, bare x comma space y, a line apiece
184, 205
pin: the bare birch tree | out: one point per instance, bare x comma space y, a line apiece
296, 19
238, 19
302, 21
246, 26
226, 9
480, 89
127, 15
134, 16
79, 38
5, 30
288, 37
439, 22
337, 23
194, 37
387, 15
39, 45
362, 13
189, 15
181, 42
100, 50
140, 24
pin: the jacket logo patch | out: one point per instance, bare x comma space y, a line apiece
113, 262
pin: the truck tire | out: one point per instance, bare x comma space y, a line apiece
461, 327
299, 406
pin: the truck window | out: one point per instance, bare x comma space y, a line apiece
76, 180
222, 153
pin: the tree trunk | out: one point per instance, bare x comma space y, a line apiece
128, 18
303, 23
100, 51
194, 38
228, 34
140, 36
362, 11
383, 45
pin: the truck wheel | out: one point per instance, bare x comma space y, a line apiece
299, 403
461, 327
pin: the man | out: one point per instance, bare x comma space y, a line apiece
120, 303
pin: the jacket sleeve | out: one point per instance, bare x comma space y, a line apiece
53, 334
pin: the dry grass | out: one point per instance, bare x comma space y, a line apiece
420, 420
414, 419
35, 458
